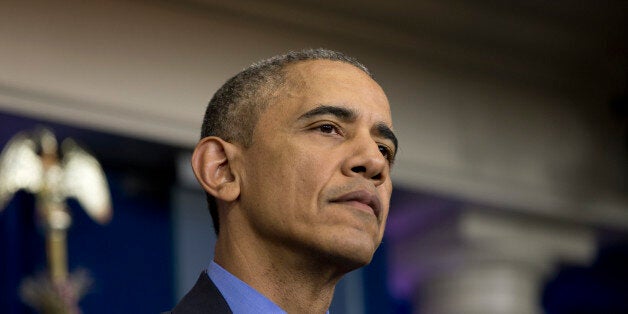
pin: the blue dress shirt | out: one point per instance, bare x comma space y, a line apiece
241, 297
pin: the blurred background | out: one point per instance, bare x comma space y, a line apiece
511, 185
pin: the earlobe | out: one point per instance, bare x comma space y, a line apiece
213, 168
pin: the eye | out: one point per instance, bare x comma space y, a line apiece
386, 152
328, 129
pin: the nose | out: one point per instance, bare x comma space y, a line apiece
366, 160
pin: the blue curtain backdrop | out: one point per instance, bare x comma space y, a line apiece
130, 259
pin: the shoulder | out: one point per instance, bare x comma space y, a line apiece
203, 298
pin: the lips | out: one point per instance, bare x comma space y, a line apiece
361, 198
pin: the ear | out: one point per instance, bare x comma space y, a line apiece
213, 168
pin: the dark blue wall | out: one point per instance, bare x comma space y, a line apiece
599, 288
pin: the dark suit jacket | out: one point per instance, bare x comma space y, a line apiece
204, 298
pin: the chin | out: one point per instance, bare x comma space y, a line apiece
352, 261
350, 252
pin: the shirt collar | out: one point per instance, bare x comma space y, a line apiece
241, 297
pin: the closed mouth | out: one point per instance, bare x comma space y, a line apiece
361, 198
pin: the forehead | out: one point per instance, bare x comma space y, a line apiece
326, 82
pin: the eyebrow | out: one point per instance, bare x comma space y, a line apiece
346, 114
384, 131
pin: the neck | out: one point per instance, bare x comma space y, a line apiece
294, 281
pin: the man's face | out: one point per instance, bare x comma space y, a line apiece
316, 178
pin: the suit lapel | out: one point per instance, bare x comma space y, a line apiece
203, 298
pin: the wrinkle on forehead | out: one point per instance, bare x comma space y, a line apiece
313, 83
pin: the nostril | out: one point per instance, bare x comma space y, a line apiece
362, 169
358, 169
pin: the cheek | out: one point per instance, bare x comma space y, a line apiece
307, 167
285, 177
309, 177
306, 179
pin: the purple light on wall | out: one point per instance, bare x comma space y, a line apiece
412, 213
